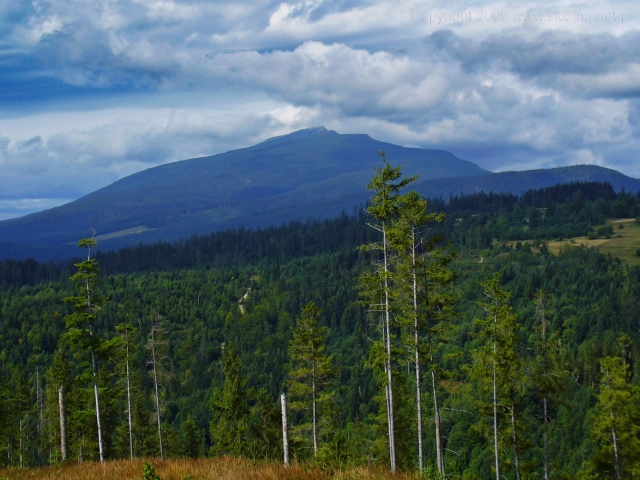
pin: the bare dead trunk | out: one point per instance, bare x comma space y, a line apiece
63, 423
615, 448
416, 340
392, 441
313, 395
515, 439
157, 396
546, 440
20, 443
98, 420
129, 397
285, 430
436, 419
495, 412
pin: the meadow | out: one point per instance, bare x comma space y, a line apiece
220, 468
623, 244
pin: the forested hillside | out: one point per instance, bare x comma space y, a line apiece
200, 337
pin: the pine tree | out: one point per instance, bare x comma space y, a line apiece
311, 370
81, 324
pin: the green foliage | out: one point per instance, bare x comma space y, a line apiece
191, 439
149, 473
616, 423
309, 377
591, 300
244, 420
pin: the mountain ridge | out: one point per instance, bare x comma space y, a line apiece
312, 172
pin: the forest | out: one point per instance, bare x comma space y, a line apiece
412, 334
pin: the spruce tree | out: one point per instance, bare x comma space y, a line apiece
386, 186
496, 363
311, 370
81, 326
230, 407
421, 280
616, 422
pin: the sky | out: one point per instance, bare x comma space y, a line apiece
91, 92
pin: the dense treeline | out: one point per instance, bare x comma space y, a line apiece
473, 221
221, 341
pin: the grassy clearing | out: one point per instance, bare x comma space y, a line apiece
622, 244
223, 468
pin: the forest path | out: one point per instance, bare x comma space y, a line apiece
246, 295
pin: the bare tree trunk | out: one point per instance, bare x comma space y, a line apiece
515, 439
40, 416
95, 390
285, 430
544, 400
416, 340
392, 440
495, 413
20, 443
546, 440
436, 419
615, 448
386, 387
63, 423
155, 387
95, 372
129, 397
313, 395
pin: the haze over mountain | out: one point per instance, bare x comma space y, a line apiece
309, 173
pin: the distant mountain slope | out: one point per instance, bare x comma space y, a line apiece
309, 173
518, 182
313, 172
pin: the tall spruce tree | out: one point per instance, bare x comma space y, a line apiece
81, 326
616, 421
548, 375
496, 363
123, 346
386, 186
421, 277
230, 407
311, 370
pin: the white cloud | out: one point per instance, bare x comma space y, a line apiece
162, 80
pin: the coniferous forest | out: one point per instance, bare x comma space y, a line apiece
412, 334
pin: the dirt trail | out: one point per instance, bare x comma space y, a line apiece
242, 299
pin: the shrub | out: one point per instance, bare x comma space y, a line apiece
149, 473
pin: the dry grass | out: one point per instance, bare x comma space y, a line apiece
623, 243
223, 468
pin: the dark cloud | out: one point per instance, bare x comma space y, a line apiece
553, 52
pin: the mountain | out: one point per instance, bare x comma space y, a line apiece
309, 173
519, 182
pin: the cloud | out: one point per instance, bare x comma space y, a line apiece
72, 163
599, 65
94, 91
